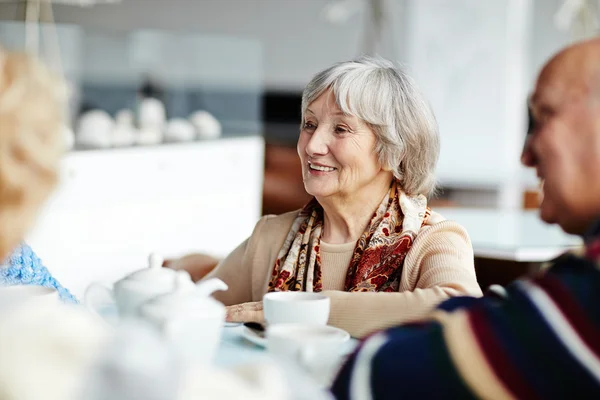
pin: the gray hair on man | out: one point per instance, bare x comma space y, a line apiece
387, 99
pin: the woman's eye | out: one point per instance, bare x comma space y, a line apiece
340, 130
309, 126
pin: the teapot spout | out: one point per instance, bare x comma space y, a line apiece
207, 287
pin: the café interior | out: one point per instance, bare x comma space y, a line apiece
183, 127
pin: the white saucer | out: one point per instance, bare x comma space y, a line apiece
253, 337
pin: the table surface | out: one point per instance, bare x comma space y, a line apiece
235, 349
517, 235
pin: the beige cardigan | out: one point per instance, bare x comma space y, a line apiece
438, 266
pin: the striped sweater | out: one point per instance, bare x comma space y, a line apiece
539, 340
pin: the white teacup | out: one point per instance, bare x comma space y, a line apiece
296, 307
318, 349
12, 297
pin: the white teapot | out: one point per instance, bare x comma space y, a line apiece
151, 114
188, 318
133, 290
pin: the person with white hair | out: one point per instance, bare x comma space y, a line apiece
32, 112
368, 146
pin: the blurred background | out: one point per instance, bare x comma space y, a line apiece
185, 113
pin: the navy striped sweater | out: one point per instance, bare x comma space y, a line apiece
539, 340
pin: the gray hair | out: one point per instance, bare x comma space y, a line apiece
388, 100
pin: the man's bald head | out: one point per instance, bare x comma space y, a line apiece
575, 69
564, 143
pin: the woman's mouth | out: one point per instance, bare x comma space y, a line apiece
320, 168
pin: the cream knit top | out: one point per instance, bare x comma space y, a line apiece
438, 266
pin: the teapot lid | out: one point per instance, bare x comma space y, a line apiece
154, 273
185, 299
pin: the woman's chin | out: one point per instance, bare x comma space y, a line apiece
318, 192
318, 189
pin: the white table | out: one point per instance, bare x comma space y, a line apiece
235, 350
511, 235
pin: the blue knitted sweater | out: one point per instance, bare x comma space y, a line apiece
24, 267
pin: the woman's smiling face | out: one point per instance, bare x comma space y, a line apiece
337, 151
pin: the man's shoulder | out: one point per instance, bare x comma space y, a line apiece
574, 273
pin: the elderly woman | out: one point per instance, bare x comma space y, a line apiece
31, 143
368, 147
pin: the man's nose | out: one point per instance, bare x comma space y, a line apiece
527, 156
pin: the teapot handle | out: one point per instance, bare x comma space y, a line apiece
209, 286
99, 299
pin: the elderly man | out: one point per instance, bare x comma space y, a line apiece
540, 339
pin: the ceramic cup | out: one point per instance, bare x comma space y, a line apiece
317, 349
18, 295
296, 307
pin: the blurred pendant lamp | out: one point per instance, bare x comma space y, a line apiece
581, 18
339, 12
37, 11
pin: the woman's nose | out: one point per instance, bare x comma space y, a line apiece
317, 144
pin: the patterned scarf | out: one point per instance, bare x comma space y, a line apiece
376, 265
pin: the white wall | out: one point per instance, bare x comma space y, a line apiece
297, 41
546, 37
471, 100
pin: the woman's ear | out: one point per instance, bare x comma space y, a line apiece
387, 167
386, 164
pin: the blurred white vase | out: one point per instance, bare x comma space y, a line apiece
207, 126
94, 129
179, 130
149, 136
151, 121
124, 132
151, 114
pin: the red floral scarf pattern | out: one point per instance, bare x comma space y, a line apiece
376, 265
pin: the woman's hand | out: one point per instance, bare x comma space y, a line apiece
246, 312
198, 265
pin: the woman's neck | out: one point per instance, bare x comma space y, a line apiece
346, 218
